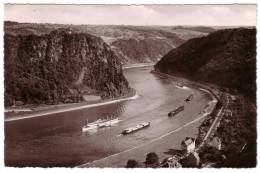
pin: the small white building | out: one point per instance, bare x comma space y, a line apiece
189, 144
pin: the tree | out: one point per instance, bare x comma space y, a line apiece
152, 160
131, 164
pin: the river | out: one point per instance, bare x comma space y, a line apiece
57, 139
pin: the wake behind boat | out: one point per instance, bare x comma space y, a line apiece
100, 123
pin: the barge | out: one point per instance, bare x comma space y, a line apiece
176, 111
136, 128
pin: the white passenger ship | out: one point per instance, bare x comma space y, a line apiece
100, 123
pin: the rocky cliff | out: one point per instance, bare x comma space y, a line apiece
131, 44
225, 57
59, 67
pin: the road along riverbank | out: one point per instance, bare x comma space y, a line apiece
67, 107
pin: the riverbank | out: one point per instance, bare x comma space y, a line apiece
29, 108
207, 87
47, 110
29, 111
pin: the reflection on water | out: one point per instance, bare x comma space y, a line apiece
57, 140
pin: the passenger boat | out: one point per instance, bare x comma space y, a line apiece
100, 123
136, 128
176, 111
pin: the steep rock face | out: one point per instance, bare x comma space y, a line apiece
225, 57
131, 44
61, 66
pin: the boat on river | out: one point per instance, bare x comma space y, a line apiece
100, 123
189, 98
177, 110
136, 128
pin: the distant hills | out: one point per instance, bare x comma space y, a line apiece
141, 44
132, 44
225, 57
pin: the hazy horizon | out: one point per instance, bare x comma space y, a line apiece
133, 15
136, 25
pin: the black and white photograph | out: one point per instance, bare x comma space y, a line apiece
129, 85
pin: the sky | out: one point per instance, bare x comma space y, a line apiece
209, 15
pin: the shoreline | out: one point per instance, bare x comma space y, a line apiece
66, 108
203, 86
138, 65
59, 108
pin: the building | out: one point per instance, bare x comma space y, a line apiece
189, 144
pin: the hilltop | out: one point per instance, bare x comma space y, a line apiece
225, 57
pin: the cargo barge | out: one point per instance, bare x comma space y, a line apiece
136, 128
176, 111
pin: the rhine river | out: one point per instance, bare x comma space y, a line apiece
57, 139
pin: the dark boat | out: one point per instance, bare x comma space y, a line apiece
176, 111
136, 128
189, 98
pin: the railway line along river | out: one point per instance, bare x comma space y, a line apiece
57, 140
